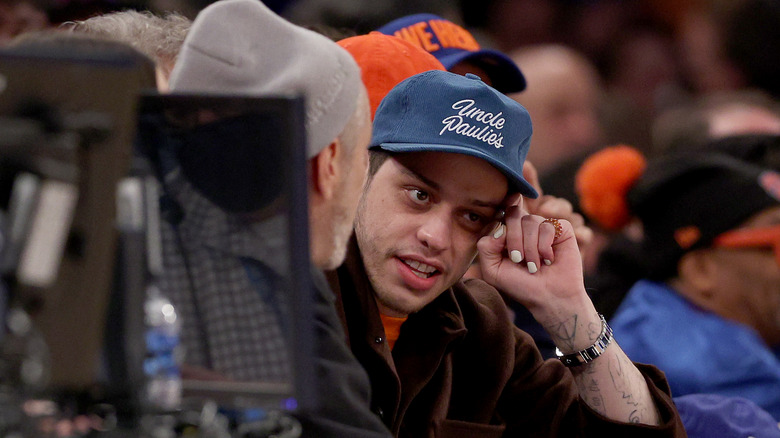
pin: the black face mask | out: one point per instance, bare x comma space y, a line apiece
237, 163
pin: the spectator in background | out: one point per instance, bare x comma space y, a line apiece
708, 311
746, 121
563, 98
458, 50
385, 61
158, 37
593, 27
712, 116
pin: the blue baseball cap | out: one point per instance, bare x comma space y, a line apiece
439, 111
451, 44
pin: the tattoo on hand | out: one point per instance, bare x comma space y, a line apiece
594, 330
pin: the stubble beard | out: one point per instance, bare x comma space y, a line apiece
342, 230
375, 268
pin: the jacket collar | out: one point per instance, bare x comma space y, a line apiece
424, 341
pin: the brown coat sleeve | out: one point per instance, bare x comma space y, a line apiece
540, 398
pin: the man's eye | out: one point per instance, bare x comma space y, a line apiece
418, 196
474, 217
476, 222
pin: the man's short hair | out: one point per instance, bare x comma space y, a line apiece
376, 157
158, 37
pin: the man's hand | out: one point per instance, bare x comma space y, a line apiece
552, 206
524, 259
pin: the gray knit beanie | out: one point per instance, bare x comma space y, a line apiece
241, 46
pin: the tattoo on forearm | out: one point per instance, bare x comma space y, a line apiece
564, 332
627, 387
590, 391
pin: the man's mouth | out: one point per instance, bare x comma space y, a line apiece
420, 269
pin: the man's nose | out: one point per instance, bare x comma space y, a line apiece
436, 230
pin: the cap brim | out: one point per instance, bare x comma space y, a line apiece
516, 181
503, 72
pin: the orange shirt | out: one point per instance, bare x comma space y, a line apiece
392, 328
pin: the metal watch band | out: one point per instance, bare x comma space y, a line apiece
587, 355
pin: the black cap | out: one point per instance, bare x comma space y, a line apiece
684, 202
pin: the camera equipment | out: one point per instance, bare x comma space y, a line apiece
68, 119
80, 246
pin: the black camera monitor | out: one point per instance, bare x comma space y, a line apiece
67, 123
82, 169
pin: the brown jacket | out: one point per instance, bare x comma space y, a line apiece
460, 368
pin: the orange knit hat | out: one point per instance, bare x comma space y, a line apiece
603, 181
385, 61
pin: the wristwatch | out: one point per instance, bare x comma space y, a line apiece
589, 354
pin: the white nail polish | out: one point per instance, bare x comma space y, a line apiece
532, 268
516, 256
499, 232
547, 262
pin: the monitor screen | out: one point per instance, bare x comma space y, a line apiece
68, 120
239, 161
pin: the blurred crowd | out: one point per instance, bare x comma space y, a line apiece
600, 72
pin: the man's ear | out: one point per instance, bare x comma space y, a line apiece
326, 170
695, 270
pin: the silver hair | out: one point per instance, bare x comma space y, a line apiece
159, 37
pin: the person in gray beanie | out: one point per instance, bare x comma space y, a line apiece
241, 47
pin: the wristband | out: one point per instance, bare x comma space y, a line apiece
589, 354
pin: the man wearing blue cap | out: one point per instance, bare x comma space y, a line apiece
443, 357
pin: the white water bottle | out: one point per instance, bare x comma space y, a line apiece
161, 365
